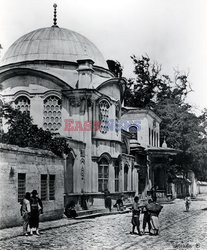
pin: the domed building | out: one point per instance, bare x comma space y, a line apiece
63, 80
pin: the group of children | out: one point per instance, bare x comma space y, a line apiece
150, 211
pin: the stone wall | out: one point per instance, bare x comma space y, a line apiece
32, 163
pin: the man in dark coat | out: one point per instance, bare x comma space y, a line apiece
36, 209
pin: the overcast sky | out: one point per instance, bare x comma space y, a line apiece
171, 32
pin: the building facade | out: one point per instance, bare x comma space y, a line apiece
23, 170
62, 79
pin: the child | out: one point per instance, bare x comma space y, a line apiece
25, 212
146, 220
135, 215
187, 202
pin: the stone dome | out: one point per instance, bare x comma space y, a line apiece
53, 43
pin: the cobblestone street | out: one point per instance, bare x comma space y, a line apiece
179, 230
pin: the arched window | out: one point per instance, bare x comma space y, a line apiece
117, 118
152, 137
52, 115
124, 147
103, 175
126, 169
104, 116
116, 176
1, 123
133, 132
155, 138
117, 111
69, 173
22, 103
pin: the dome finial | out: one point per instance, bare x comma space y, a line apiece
55, 16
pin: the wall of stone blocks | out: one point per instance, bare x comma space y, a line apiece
33, 163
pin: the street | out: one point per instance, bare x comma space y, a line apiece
179, 230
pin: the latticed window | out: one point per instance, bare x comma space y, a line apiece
103, 175
104, 116
22, 103
51, 187
116, 170
43, 187
52, 115
21, 186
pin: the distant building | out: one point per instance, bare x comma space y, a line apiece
152, 160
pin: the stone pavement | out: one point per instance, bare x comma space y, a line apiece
179, 230
8, 233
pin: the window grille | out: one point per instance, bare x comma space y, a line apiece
21, 186
22, 103
43, 187
51, 187
104, 116
52, 115
103, 175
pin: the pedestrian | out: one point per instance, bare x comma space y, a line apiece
135, 216
154, 210
119, 204
70, 211
146, 219
36, 209
187, 202
26, 212
153, 194
107, 199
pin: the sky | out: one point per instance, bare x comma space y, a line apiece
171, 32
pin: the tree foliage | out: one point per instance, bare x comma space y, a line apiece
181, 128
22, 132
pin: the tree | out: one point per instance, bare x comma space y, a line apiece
22, 132
181, 128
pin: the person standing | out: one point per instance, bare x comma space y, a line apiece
135, 216
153, 194
36, 209
187, 202
154, 210
146, 219
108, 201
25, 212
